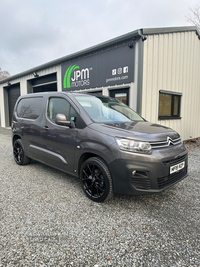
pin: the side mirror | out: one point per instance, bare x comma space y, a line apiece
61, 120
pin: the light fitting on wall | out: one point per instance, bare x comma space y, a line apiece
35, 74
131, 44
144, 38
8, 83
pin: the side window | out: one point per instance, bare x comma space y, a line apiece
61, 106
58, 106
29, 108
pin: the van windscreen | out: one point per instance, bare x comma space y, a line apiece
107, 110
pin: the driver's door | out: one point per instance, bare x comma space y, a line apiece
59, 141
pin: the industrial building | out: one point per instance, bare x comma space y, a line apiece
154, 71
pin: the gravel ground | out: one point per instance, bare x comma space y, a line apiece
46, 220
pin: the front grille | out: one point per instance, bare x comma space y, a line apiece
171, 179
141, 180
174, 161
166, 143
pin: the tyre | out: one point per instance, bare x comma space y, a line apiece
96, 180
18, 152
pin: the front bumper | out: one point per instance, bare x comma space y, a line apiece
146, 174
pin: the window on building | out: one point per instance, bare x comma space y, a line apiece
121, 94
169, 105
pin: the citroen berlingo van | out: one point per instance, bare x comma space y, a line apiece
99, 139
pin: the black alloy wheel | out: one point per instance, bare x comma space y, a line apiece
96, 180
19, 155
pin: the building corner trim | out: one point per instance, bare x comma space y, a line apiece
140, 71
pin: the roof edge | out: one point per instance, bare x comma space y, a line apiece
136, 33
74, 55
149, 31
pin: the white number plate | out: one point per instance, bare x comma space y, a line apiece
177, 167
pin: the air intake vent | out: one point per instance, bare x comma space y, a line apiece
171, 179
175, 161
140, 180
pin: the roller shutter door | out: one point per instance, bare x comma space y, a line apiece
13, 94
45, 83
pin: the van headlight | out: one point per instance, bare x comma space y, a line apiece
133, 146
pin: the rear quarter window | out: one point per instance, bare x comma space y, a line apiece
29, 108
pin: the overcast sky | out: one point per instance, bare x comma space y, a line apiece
34, 32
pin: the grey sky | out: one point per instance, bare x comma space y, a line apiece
34, 32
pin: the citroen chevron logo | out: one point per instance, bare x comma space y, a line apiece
169, 141
67, 77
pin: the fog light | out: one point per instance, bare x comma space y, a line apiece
133, 172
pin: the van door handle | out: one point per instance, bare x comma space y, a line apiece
46, 128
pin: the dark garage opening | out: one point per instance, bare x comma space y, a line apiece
13, 94
45, 83
45, 88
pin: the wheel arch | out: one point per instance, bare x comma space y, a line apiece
15, 137
86, 156
96, 181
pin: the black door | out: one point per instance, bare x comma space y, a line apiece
121, 94
13, 94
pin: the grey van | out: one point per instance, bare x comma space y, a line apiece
99, 139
